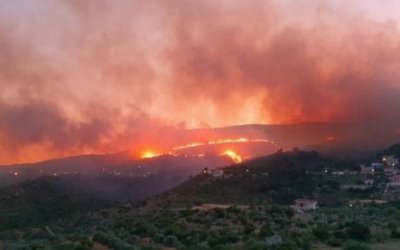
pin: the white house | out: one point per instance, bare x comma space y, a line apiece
369, 181
367, 170
306, 204
217, 173
391, 171
338, 173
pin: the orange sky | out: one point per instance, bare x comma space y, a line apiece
101, 75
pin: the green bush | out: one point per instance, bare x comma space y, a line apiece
158, 238
340, 234
15, 246
359, 231
321, 232
171, 241
132, 239
253, 244
249, 228
380, 234
71, 246
111, 241
356, 246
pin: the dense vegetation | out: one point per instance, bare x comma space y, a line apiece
278, 179
252, 212
253, 227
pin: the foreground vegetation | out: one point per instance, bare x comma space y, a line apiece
250, 227
253, 211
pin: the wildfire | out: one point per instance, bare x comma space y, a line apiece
218, 145
149, 154
222, 141
191, 145
330, 139
235, 157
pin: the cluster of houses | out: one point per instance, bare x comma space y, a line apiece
213, 173
390, 166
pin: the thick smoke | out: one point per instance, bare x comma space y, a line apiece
102, 75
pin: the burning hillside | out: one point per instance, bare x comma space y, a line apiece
236, 148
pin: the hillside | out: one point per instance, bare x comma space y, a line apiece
119, 164
280, 178
351, 136
393, 150
44, 198
49, 199
245, 207
42, 201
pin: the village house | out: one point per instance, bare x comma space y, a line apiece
391, 171
206, 171
390, 160
369, 181
395, 181
306, 204
367, 170
338, 173
351, 172
217, 173
377, 165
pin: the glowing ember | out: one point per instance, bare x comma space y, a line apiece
149, 154
191, 145
330, 139
228, 141
235, 157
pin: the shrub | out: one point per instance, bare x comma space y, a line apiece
289, 212
355, 246
265, 231
340, 234
321, 232
253, 244
132, 239
158, 238
15, 247
178, 229
359, 231
144, 228
249, 228
202, 246
70, 246
111, 241
380, 234
171, 241
335, 242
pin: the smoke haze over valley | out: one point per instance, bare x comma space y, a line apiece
80, 77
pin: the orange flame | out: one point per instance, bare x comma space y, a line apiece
222, 141
215, 142
330, 139
149, 154
235, 157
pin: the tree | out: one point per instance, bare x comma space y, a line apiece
359, 231
321, 232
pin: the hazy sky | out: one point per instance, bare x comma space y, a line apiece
101, 75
